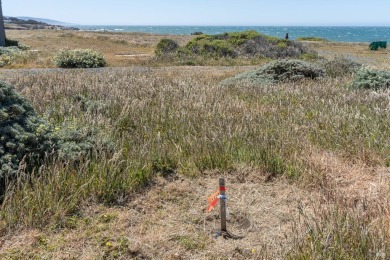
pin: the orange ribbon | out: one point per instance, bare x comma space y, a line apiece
213, 201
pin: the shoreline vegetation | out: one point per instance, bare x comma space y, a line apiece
299, 129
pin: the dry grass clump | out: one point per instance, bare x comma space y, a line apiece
340, 67
279, 71
337, 232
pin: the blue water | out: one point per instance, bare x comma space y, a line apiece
339, 34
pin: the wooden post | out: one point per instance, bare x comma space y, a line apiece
222, 200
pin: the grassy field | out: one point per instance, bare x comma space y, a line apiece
123, 49
307, 163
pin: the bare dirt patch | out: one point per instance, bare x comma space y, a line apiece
169, 221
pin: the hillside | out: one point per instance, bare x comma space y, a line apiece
13, 23
44, 20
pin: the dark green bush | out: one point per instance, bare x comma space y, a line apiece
166, 46
279, 71
79, 58
27, 139
371, 79
14, 43
9, 43
24, 137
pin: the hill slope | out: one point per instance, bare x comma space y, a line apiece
44, 20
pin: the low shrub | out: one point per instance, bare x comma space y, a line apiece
279, 71
12, 52
340, 67
79, 58
166, 46
371, 79
246, 44
271, 47
25, 137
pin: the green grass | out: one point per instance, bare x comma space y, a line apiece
312, 39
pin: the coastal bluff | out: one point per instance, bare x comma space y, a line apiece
13, 23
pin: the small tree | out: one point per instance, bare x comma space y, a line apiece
2, 30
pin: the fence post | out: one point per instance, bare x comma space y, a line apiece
222, 193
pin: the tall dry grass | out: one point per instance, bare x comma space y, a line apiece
182, 121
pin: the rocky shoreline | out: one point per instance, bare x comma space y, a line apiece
12, 23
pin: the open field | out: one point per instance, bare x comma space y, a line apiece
132, 49
358, 52
119, 49
307, 163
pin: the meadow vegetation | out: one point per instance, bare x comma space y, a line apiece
236, 47
127, 127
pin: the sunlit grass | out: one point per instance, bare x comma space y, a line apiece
166, 121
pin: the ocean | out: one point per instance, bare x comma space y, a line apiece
332, 33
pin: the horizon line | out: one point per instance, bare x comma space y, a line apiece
176, 25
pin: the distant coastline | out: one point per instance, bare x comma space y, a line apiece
332, 33
14, 23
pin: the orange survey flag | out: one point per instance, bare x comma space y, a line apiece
213, 201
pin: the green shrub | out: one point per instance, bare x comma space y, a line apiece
24, 137
79, 58
371, 79
27, 139
239, 38
209, 46
166, 46
12, 52
279, 71
246, 44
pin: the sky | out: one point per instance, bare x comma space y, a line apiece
206, 12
